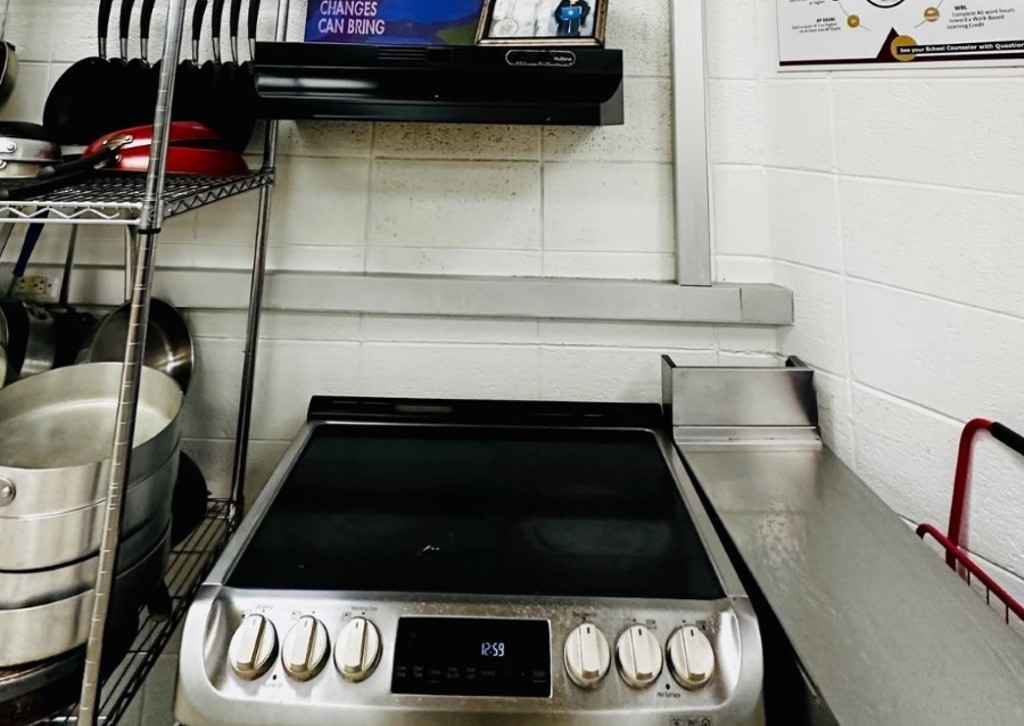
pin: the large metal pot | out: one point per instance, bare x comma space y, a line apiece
56, 431
55, 538
40, 587
43, 631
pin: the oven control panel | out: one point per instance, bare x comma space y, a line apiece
648, 662
472, 656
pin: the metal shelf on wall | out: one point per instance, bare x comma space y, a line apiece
188, 565
117, 199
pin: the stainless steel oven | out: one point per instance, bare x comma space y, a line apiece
452, 562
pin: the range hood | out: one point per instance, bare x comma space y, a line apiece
461, 84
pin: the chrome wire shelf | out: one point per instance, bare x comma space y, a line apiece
117, 198
189, 563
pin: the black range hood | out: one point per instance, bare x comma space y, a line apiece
458, 84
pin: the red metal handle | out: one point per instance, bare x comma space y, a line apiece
957, 555
1003, 435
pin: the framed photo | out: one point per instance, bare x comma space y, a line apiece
543, 22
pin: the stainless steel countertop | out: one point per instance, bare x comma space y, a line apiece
887, 633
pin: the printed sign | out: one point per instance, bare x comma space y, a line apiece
389, 22
908, 33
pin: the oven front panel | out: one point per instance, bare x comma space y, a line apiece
457, 661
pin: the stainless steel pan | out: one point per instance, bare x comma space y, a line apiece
168, 341
25, 150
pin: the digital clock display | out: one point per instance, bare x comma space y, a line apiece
472, 657
492, 650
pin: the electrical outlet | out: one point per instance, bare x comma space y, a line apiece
33, 288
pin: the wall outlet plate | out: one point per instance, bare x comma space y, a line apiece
34, 288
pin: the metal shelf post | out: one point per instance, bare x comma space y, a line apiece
259, 265
127, 406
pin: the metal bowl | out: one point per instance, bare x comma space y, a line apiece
168, 341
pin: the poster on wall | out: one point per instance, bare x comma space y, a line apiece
393, 22
837, 34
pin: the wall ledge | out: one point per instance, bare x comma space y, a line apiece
429, 295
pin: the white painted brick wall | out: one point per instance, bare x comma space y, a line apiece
415, 198
895, 202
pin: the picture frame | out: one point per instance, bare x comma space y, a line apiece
552, 23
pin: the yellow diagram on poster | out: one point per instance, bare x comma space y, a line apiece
905, 33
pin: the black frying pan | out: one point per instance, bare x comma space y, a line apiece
77, 108
118, 113
211, 70
227, 111
243, 98
189, 93
139, 95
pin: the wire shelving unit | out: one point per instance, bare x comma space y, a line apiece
141, 203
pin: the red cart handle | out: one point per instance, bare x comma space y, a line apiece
1000, 433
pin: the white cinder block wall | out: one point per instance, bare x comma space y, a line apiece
892, 203
423, 199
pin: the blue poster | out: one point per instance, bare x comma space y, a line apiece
389, 22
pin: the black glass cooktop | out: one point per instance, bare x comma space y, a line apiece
480, 510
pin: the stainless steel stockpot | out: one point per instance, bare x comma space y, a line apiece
19, 590
34, 633
52, 539
56, 431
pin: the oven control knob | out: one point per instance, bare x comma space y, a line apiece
253, 647
358, 650
587, 656
305, 649
691, 658
638, 654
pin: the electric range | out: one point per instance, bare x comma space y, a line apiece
457, 562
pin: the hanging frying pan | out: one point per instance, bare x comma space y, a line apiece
225, 111
211, 70
8, 59
139, 94
242, 120
188, 91
77, 107
119, 115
